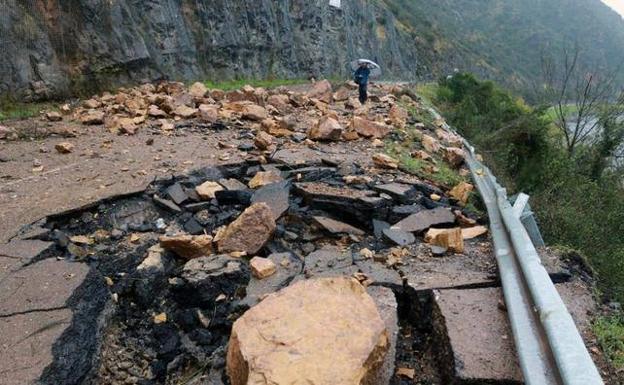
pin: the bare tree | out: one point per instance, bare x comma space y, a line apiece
583, 97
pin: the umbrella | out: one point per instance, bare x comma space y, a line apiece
374, 67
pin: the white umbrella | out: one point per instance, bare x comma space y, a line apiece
374, 67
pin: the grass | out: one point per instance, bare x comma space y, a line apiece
230, 85
427, 91
609, 331
11, 110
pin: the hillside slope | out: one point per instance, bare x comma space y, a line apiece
56, 48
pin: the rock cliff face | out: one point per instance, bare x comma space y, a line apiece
53, 48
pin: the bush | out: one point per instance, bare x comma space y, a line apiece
576, 206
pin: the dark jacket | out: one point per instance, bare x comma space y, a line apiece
361, 75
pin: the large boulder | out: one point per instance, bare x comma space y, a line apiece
398, 116
320, 331
249, 232
326, 129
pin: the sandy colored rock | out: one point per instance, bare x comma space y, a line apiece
185, 112
254, 112
263, 178
188, 246
262, 267
208, 189
263, 140
454, 156
398, 116
385, 161
249, 232
321, 90
198, 90
53, 116
208, 113
321, 331
450, 239
449, 138
369, 129
342, 94
420, 154
350, 135
461, 192
326, 129
280, 101
430, 144
92, 104
122, 125
473, 232
155, 112
64, 147
92, 117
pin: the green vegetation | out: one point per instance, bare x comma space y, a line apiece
578, 197
12, 110
577, 205
230, 85
505, 39
610, 334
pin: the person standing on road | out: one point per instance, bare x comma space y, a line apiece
361, 79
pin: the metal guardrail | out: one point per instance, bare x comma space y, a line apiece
549, 346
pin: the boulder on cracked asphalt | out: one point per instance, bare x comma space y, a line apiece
249, 232
327, 128
263, 178
188, 246
322, 331
262, 267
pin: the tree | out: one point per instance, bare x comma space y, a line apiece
584, 100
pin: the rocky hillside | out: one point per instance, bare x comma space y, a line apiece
80, 46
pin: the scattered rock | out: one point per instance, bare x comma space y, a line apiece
369, 129
254, 112
198, 90
461, 192
92, 117
263, 140
398, 116
454, 156
185, 112
64, 147
155, 112
307, 345
263, 178
399, 237
54, 116
385, 161
249, 232
430, 144
275, 195
7, 133
326, 129
422, 155
188, 246
321, 90
336, 227
207, 190
450, 239
425, 219
208, 113
177, 193
262, 267
473, 232
92, 104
